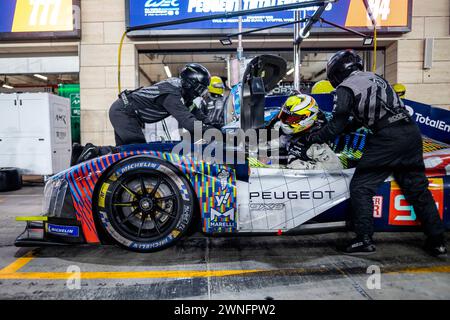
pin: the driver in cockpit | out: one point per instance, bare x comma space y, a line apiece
299, 116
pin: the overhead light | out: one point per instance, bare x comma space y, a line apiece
39, 76
7, 86
226, 41
168, 72
290, 72
368, 41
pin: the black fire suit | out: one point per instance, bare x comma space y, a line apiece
133, 109
394, 148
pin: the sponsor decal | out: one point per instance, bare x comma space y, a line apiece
162, 8
152, 245
69, 231
222, 199
223, 176
61, 118
102, 195
426, 120
61, 135
387, 13
267, 206
377, 206
434, 123
139, 165
175, 233
222, 219
42, 15
292, 195
401, 213
350, 13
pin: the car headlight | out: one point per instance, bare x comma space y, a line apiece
54, 195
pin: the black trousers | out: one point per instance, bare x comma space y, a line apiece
127, 127
393, 150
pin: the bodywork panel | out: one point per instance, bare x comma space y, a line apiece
214, 186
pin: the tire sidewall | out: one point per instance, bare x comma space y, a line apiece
105, 196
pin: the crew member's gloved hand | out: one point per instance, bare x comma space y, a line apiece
312, 138
212, 124
352, 127
197, 103
209, 126
217, 125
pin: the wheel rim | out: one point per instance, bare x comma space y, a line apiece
145, 206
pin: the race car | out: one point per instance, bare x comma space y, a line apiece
147, 197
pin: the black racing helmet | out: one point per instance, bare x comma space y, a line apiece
195, 80
342, 65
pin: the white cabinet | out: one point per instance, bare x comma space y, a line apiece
35, 133
9, 115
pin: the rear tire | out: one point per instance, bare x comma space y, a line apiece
10, 179
145, 204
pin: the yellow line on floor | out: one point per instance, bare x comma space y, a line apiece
18, 264
124, 275
424, 270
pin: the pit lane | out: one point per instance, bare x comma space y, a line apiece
294, 267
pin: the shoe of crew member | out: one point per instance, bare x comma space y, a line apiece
436, 246
361, 245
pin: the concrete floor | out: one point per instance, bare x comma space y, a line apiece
300, 267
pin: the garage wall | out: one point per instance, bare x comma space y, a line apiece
404, 58
103, 23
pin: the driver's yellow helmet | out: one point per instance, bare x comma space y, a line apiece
216, 86
299, 113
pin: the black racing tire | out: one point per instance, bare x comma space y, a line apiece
144, 204
10, 179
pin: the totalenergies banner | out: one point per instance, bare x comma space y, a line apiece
31, 19
391, 15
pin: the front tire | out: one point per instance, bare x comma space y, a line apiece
145, 204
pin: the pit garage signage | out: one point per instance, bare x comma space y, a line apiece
39, 19
392, 15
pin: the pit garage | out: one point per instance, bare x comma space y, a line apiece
246, 232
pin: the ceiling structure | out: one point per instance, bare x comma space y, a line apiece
30, 81
152, 65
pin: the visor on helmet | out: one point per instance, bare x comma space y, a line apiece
288, 117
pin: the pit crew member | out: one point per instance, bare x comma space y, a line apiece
213, 107
394, 148
177, 97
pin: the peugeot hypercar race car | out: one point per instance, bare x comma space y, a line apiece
146, 197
